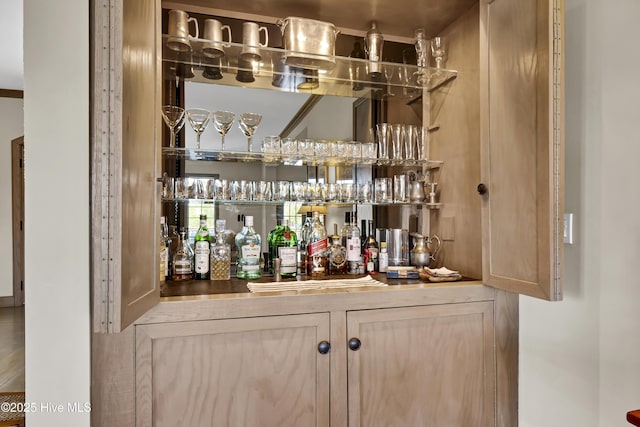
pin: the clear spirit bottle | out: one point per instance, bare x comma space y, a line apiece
353, 247
220, 254
202, 250
249, 244
183, 259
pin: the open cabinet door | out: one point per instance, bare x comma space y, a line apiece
126, 161
522, 145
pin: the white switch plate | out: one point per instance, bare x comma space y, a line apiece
568, 228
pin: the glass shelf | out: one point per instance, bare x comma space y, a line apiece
289, 159
280, 202
270, 72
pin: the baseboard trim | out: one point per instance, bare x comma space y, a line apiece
6, 301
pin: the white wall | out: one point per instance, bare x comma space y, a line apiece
580, 359
11, 127
57, 330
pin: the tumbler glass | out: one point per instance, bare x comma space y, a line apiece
383, 192
400, 188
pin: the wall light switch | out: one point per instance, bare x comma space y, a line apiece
568, 228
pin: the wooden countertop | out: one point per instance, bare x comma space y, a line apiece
239, 286
206, 300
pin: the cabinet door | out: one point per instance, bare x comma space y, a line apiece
125, 163
264, 371
422, 366
522, 145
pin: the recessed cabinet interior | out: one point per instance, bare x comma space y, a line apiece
497, 123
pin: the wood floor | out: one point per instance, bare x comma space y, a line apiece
12, 349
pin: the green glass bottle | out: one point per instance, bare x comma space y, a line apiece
273, 253
285, 247
202, 251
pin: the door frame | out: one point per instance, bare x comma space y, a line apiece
17, 213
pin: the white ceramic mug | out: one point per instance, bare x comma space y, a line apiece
251, 38
213, 30
179, 30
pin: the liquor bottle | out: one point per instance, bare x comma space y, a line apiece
183, 259
301, 254
249, 244
371, 250
220, 254
317, 248
164, 249
337, 254
272, 249
344, 231
202, 250
383, 258
353, 248
285, 244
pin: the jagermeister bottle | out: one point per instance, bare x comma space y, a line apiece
248, 243
317, 248
202, 250
285, 244
183, 259
220, 254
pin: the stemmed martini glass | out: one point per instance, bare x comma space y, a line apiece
222, 121
248, 124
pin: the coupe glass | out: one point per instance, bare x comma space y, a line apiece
222, 121
199, 120
248, 124
438, 50
174, 118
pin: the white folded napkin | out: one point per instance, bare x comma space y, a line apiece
313, 284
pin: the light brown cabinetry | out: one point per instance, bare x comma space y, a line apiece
499, 122
418, 366
422, 366
262, 371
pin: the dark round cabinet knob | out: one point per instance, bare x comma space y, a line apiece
482, 189
354, 344
324, 347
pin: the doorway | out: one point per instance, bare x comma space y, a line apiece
17, 203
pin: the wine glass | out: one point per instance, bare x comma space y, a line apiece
174, 118
248, 124
199, 120
438, 50
222, 121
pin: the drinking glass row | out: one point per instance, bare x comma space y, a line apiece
290, 149
199, 119
382, 190
399, 141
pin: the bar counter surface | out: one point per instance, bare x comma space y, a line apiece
238, 286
